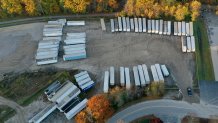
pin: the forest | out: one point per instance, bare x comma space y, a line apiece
170, 9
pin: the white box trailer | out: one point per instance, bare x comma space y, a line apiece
69, 52
149, 26
168, 27
75, 23
122, 76
141, 75
140, 24
175, 28
136, 25
116, 25
179, 28
44, 62
165, 28
74, 56
159, 73
53, 26
80, 78
191, 28
47, 49
187, 29
77, 35
146, 75
153, 26
87, 85
75, 41
161, 27
184, 44
52, 34
183, 28
154, 73
52, 38
127, 24
165, 70
47, 53
189, 44
144, 25
80, 74
112, 25
120, 24
127, 77
124, 24
193, 43
112, 76
157, 26
106, 81
132, 24
136, 76
103, 24
48, 46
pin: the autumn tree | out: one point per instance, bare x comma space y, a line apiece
30, 7
76, 6
195, 9
181, 12
113, 4
129, 7
83, 117
100, 108
11, 6
50, 6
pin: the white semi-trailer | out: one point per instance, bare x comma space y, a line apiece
140, 24
191, 28
132, 24
193, 43
136, 76
112, 25
154, 73
120, 24
149, 26
127, 77
112, 78
187, 28
184, 44
157, 26
127, 24
175, 28
161, 27
144, 25
189, 44
141, 75
179, 28
165, 70
168, 27
145, 71
122, 76
124, 24
106, 81
136, 25
153, 26
183, 28
159, 73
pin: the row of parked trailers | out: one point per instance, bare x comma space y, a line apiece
140, 73
63, 97
48, 47
75, 43
188, 44
126, 24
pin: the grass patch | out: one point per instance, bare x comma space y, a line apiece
6, 113
26, 87
204, 66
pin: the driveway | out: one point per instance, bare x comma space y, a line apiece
165, 109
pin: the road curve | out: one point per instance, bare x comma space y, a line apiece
16, 107
164, 107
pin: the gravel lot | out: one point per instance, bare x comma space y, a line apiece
104, 49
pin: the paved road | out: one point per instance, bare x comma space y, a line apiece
164, 107
16, 107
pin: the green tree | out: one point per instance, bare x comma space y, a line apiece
49, 6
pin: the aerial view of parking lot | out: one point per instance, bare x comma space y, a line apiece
128, 61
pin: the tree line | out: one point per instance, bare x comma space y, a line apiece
173, 9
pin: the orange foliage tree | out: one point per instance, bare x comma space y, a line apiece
76, 6
100, 108
30, 7
195, 8
113, 4
11, 6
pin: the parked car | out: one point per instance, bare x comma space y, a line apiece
189, 91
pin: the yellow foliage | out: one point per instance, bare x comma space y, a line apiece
195, 5
181, 12
76, 6
30, 7
113, 4
11, 6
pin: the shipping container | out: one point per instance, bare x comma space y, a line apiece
189, 44
127, 77
140, 24
145, 71
106, 81
159, 73
136, 25
127, 24
112, 25
136, 76
161, 27
112, 76
122, 76
144, 24
193, 43
141, 75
